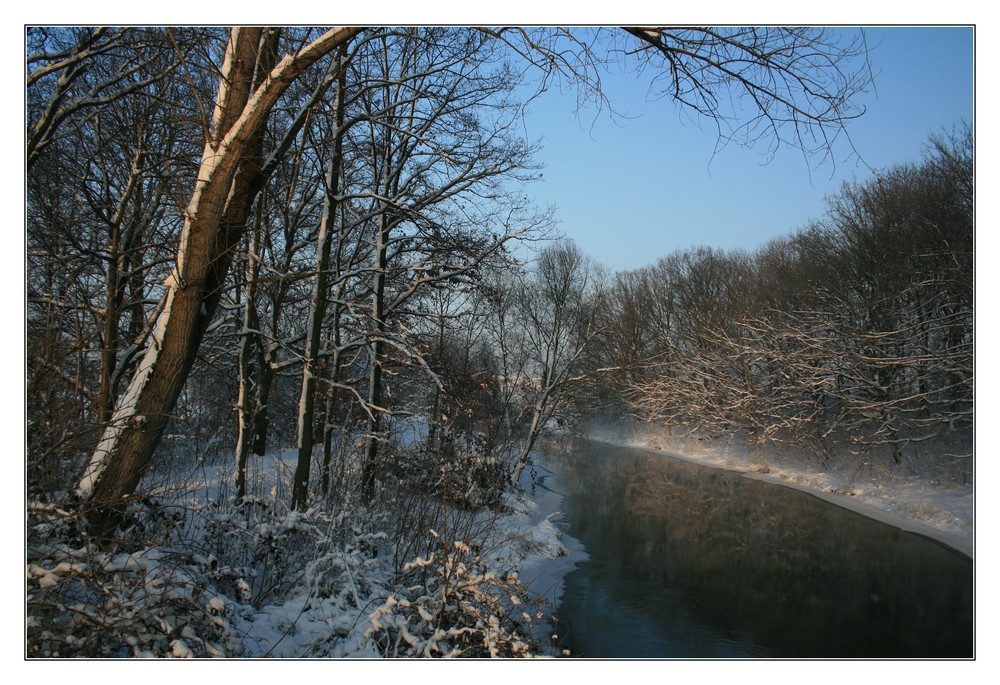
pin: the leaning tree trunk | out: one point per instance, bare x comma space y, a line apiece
193, 288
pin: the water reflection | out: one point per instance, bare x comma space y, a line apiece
689, 561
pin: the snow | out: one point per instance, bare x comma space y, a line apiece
555, 554
330, 611
528, 540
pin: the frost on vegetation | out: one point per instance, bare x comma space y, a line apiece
209, 578
220, 583
123, 605
455, 607
153, 601
929, 487
455, 467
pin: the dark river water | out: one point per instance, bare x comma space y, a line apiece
689, 561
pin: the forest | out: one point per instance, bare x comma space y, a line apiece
294, 325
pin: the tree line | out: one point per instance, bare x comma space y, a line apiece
856, 331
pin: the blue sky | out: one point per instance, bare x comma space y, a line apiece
631, 191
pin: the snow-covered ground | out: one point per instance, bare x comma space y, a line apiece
525, 538
921, 497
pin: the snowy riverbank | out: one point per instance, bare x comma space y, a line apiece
523, 538
919, 498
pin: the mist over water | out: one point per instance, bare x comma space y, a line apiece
688, 561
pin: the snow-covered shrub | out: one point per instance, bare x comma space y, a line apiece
449, 604
83, 601
260, 549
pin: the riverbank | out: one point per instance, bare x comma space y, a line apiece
919, 499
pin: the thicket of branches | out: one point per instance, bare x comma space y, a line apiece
855, 331
393, 198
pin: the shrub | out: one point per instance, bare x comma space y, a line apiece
451, 605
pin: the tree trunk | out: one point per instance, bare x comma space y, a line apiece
249, 340
261, 417
109, 342
324, 240
332, 399
370, 465
534, 430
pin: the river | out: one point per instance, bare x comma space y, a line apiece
688, 561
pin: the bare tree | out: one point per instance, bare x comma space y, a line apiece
318, 302
557, 311
761, 85
436, 145
758, 86
101, 210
